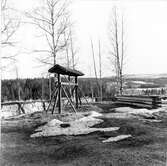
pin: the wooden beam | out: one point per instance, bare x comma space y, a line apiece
69, 100
69, 83
54, 92
22, 102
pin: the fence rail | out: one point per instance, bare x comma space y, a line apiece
23, 102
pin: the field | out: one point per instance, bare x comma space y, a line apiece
146, 147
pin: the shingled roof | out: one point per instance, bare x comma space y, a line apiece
64, 71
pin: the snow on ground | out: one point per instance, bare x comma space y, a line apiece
33, 107
142, 82
117, 138
77, 127
9, 110
142, 113
139, 111
119, 115
95, 114
12, 110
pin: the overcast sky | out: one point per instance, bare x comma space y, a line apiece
145, 28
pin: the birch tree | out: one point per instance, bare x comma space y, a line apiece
117, 51
52, 20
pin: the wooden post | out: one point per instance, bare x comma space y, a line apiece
59, 93
43, 94
76, 92
52, 97
69, 79
20, 108
50, 88
42, 88
55, 102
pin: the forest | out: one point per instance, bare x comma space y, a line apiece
38, 88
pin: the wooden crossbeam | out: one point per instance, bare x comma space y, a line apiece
54, 92
22, 102
70, 101
55, 102
69, 83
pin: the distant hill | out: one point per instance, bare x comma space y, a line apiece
162, 75
140, 80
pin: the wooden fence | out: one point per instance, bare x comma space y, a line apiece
21, 104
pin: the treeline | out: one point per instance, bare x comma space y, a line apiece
38, 88
160, 91
23, 88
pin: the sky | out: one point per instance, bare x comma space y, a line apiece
145, 37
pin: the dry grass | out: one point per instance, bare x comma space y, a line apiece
146, 147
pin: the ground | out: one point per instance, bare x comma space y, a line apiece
147, 147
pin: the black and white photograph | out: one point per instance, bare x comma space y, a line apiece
83, 83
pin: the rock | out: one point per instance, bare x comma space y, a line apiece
65, 125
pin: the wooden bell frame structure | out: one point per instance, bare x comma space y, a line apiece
56, 96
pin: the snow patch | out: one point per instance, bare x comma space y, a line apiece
127, 112
12, 110
139, 111
95, 114
117, 138
54, 122
77, 127
140, 82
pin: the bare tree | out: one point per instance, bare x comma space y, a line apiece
91, 86
73, 49
100, 72
94, 65
66, 39
9, 25
116, 33
52, 20
70, 48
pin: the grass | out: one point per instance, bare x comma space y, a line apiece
146, 147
